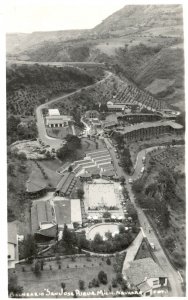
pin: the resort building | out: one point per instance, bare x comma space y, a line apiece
93, 164
137, 118
54, 119
92, 114
12, 245
144, 131
66, 184
43, 221
115, 107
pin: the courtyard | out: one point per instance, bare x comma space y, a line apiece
102, 195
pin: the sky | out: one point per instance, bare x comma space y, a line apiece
48, 15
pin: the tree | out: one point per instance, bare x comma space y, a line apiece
80, 193
137, 186
81, 285
102, 276
67, 238
119, 277
121, 229
29, 247
70, 169
122, 180
108, 261
22, 156
63, 285
114, 283
95, 282
37, 269
11, 169
108, 235
98, 239
107, 215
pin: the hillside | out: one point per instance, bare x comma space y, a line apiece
112, 87
143, 43
158, 69
18, 42
31, 85
139, 18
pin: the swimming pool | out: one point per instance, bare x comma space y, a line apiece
102, 229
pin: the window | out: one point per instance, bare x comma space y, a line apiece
9, 256
156, 282
147, 293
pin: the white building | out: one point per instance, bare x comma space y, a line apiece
54, 119
12, 245
53, 112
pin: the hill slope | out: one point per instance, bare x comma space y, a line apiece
138, 18
31, 85
144, 43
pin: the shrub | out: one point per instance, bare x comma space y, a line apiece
37, 269
114, 283
81, 285
63, 285
108, 261
90, 285
119, 277
95, 282
102, 276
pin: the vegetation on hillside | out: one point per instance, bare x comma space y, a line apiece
17, 130
18, 201
159, 194
31, 85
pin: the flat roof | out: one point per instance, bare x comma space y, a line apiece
12, 233
99, 154
41, 211
76, 215
108, 173
149, 125
58, 118
53, 112
93, 170
98, 158
63, 211
99, 162
96, 151
115, 105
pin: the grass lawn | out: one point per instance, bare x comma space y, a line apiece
71, 272
59, 133
50, 168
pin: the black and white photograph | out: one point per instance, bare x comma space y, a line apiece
95, 149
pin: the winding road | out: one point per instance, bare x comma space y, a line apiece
54, 142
